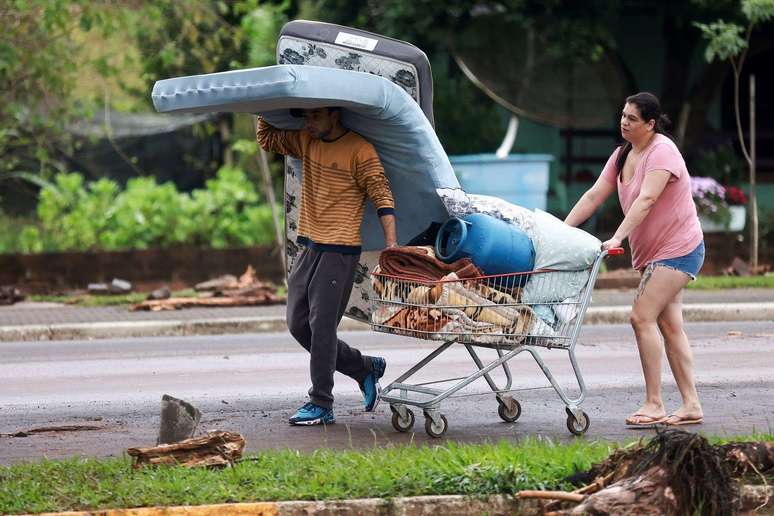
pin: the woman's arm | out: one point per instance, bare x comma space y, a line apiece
654, 183
589, 202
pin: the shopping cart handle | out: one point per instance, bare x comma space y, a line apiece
615, 251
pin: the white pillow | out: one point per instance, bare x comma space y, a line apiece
554, 287
562, 247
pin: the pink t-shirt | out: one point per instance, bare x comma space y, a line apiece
672, 228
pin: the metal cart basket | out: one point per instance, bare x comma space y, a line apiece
509, 313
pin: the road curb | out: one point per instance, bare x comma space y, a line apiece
450, 505
707, 312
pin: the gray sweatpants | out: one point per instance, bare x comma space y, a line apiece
318, 290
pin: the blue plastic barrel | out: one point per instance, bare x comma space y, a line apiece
494, 246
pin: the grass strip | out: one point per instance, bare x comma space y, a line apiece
724, 282
91, 484
452, 468
87, 300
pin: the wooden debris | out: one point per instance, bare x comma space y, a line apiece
176, 303
64, 428
740, 267
755, 498
749, 458
216, 449
677, 472
551, 495
159, 293
10, 295
225, 291
222, 282
648, 494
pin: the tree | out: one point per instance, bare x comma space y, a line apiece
194, 38
727, 43
39, 55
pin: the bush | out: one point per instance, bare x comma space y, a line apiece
75, 216
227, 214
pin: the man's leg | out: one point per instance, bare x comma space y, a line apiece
297, 314
329, 290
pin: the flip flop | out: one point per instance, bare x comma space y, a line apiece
675, 420
645, 421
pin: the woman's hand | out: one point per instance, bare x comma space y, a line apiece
610, 244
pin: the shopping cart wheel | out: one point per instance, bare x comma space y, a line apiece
575, 426
434, 429
509, 411
402, 424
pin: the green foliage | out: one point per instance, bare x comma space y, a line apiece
78, 216
187, 38
721, 163
466, 120
227, 213
721, 282
145, 215
758, 11
39, 61
503, 468
451, 468
724, 40
74, 215
260, 27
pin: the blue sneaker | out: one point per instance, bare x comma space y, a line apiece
370, 387
311, 414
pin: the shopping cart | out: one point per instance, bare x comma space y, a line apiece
509, 313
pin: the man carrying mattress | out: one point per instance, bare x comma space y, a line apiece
340, 169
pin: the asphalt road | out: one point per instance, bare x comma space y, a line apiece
252, 383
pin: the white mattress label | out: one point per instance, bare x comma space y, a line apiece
355, 41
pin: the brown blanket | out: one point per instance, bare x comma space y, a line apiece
418, 263
418, 319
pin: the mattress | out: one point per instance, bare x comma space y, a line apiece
334, 46
413, 158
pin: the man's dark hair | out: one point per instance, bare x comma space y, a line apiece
299, 113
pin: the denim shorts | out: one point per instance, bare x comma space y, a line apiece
690, 263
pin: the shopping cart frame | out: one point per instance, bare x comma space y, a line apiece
402, 395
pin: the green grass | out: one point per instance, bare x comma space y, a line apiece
476, 470
721, 282
89, 484
89, 300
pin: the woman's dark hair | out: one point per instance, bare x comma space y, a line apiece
650, 109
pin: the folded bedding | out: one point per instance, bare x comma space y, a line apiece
418, 263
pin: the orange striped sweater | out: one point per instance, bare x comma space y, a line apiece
337, 177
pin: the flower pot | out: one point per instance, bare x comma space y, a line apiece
736, 223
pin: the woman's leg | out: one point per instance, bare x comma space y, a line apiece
680, 358
658, 288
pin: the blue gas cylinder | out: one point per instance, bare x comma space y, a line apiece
494, 246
